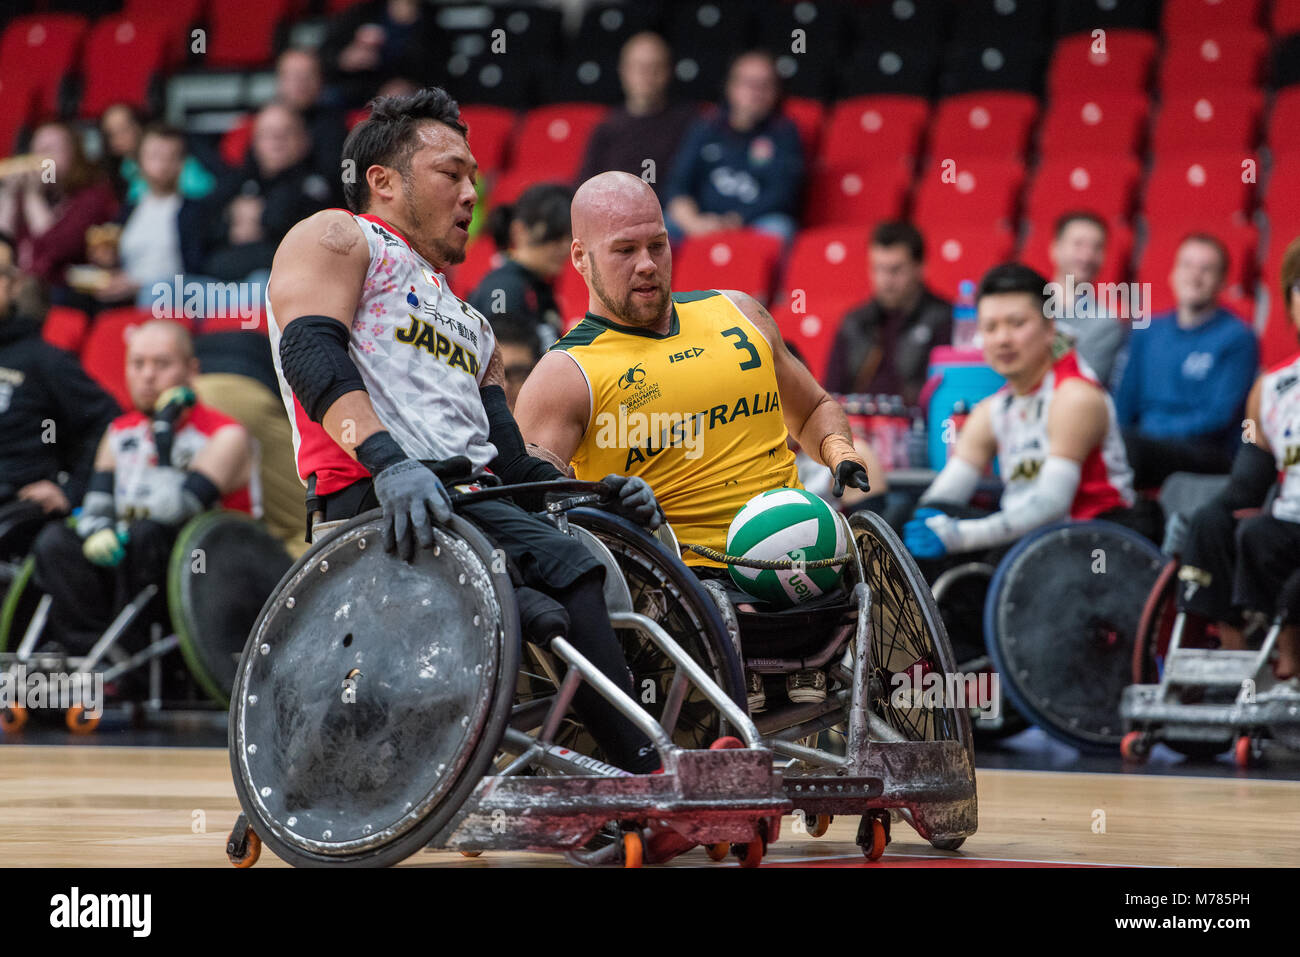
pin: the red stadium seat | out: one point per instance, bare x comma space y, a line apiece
571, 294
489, 135
1211, 61
1283, 134
1109, 123
65, 328
874, 126
103, 354
812, 331
1286, 17
122, 55
480, 258
809, 116
16, 109
38, 51
1219, 120
1206, 188
976, 192
551, 143
965, 251
1119, 61
1190, 16
507, 187
740, 259
1282, 201
985, 123
1035, 251
1100, 184
242, 32
176, 19
828, 264
234, 143
1162, 244
861, 193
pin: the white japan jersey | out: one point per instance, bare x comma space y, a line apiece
1020, 426
422, 354
1279, 413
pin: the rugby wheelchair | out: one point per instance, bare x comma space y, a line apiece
1187, 692
1060, 614
381, 707
220, 570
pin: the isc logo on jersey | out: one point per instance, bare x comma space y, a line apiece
786, 523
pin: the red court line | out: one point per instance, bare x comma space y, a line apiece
919, 860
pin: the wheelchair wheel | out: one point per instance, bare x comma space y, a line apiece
372, 694
1156, 626
20, 522
666, 591
906, 633
222, 568
1061, 621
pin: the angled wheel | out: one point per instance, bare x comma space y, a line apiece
633, 850
13, 718
1061, 621
666, 591
1156, 625
79, 722
372, 694
222, 568
872, 837
907, 636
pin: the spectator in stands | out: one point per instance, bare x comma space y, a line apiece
521, 349
48, 210
1184, 388
162, 230
646, 126
51, 413
375, 40
535, 233
275, 188
122, 130
156, 467
742, 166
298, 86
1078, 252
883, 346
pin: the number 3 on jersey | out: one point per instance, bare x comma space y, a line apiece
742, 342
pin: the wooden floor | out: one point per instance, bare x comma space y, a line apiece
117, 806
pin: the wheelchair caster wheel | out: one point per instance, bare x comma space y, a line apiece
1135, 746
726, 743
1246, 751
948, 844
78, 722
243, 846
717, 852
471, 853
13, 718
819, 825
632, 849
873, 835
751, 853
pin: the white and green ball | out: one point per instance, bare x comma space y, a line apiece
786, 523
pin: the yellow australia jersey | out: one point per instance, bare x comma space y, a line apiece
694, 412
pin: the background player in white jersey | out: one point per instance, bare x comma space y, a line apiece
390, 380
1234, 565
1052, 428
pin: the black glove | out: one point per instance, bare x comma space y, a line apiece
412, 497
167, 410
633, 499
850, 473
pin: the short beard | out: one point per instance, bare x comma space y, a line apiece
625, 311
441, 252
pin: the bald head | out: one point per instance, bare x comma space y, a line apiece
612, 201
620, 247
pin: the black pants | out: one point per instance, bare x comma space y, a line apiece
1232, 565
557, 565
1154, 460
86, 596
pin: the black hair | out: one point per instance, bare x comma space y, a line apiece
1214, 242
513, 331
898, 233
1014, 277
1078, 216
388, 136
542, 208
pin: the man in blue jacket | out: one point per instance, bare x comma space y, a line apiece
743, 166
1184, 389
